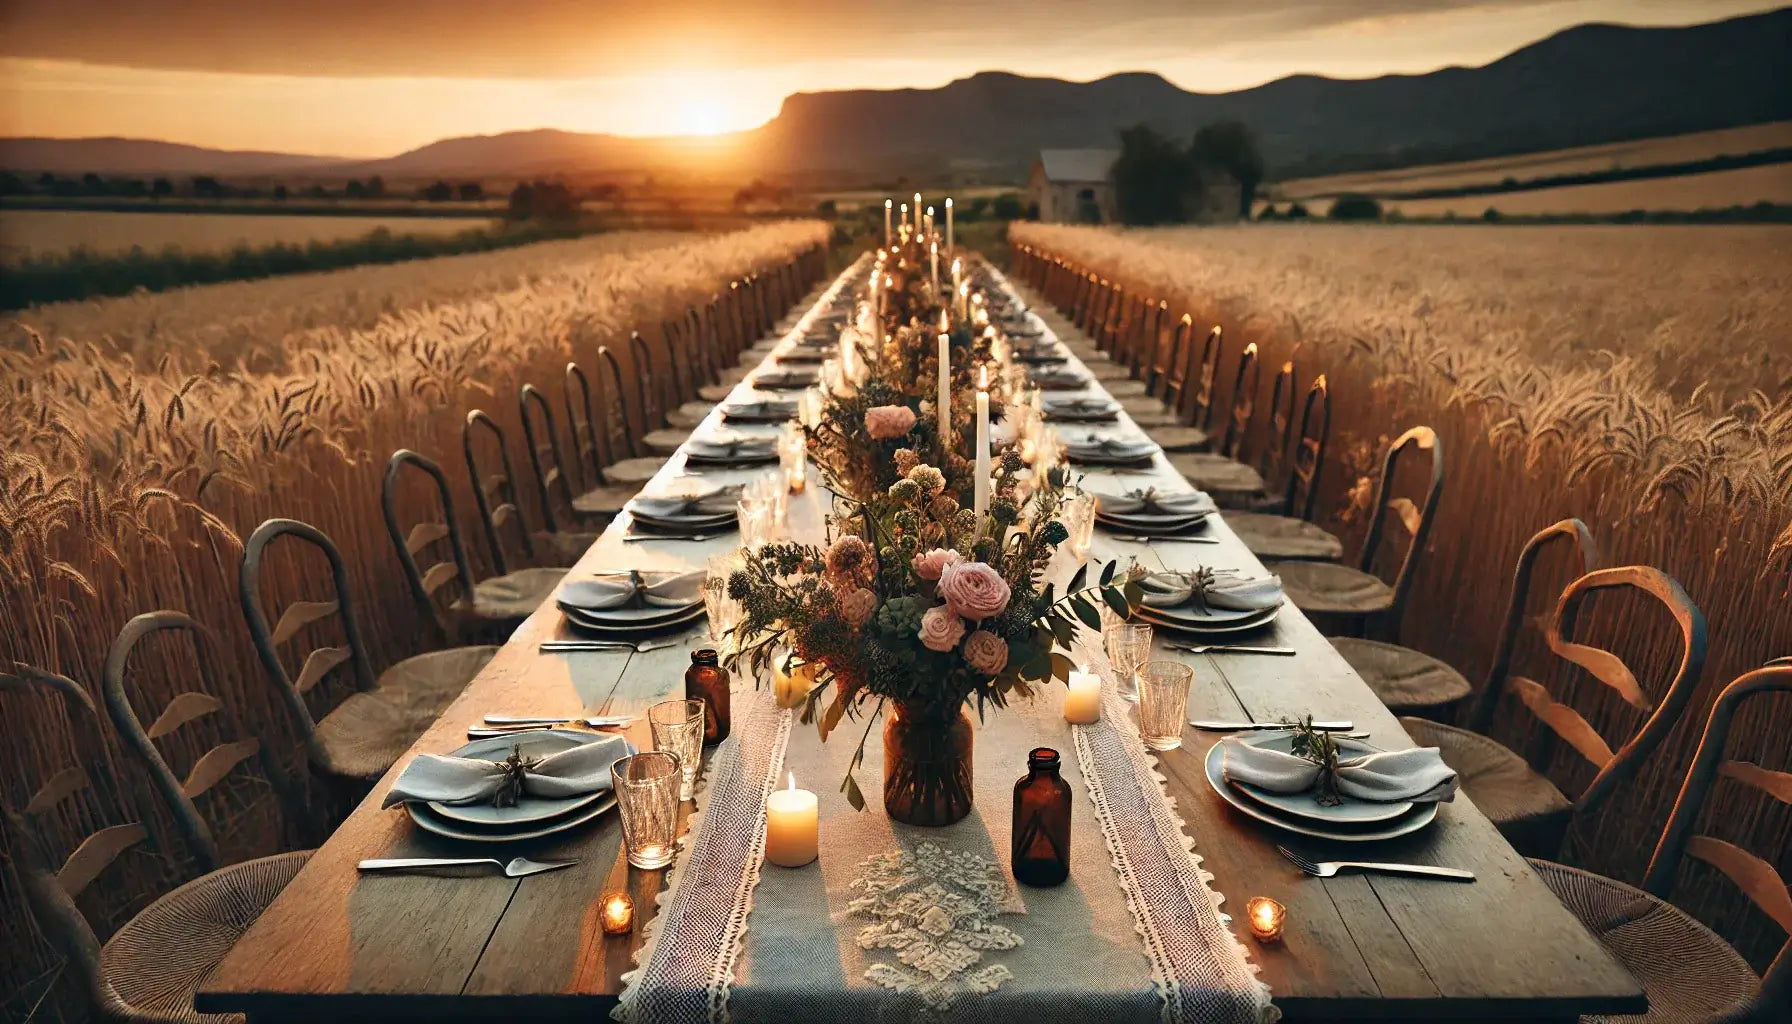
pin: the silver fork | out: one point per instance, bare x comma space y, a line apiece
1328, 868
1143, 538
519, 867
636, 538
639, 647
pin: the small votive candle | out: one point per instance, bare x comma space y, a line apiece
792, 826
618, 913
1082, 705
1266, 917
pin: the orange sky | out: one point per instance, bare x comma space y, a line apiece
376, 77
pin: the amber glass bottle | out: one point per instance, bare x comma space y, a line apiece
706, 679
1041, 852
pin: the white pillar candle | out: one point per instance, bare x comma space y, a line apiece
917, 213
792, 826
949, 244
930, 222
981, 482
934, 258
887, 223
943, 401
964, 298
1082, 705
905, 215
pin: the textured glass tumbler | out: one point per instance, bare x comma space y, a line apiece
678, 730
1129, 646
723, 611
1163, 702
647, 799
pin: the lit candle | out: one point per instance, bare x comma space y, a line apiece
934, 257
1082, 705
905, 215
792, 826
1266, 917
943, 402
981, 480
948, 223
957, 270
964, 295
887, 223
618, 913
917, 211
930, 222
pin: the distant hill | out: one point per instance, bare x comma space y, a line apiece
1583, 86
145, 156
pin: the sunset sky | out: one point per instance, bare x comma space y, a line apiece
376, 77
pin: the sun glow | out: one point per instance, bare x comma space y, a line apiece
694, 103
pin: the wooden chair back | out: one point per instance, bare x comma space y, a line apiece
1758, 879
1167, 367
414, 543
677, 351
1570, 533
1244, 402
541, 436
494, 493
1195, 392
1308, 460
648, 393
615, 419
1272, 459
1415, 519
590, 447
200, 710
1147, 346
319, 663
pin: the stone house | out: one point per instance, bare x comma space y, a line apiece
1072, 186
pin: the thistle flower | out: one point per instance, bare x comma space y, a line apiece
930, 480
849, 557
905, 459
906, 490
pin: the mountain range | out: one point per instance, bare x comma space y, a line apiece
1585, 85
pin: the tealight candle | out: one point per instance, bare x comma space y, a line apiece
792, 826
618, 913
1266, 917
1082, 705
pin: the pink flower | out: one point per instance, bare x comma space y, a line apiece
974, 590
849, 558
986, 652
885, 422
929, 564
857, 606
940, 629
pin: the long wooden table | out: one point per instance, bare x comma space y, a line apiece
336, 945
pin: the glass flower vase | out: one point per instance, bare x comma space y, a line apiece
927, 766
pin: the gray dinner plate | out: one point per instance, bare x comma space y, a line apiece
1154, 525
529, 811
1306, 805
429, 821
1209, 616
587, 623
1420, 816
631, 616
1183, 626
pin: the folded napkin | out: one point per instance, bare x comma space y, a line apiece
654, 589
1418, 774
1170, 589
784, 379
1081, 408
759, 412
802, 356
707, 505
1043, 355
746, 449
1057, 379
1109, 449
436, 778
1153, 502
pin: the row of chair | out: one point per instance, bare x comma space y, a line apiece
1689, 973
149, 968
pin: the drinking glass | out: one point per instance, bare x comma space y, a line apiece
678, 730
754, 519
1163, 702
1129, 647
647, 801
1079, 519
723, 611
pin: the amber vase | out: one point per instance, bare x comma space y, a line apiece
706, 679
927, 766
1041, 835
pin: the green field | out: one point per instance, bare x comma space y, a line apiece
48, 232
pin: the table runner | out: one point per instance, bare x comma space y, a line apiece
895, 922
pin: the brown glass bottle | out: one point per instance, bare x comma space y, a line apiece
706, 679
1041, 852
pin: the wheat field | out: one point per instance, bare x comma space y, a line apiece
1639, 378
48, 232
142, 438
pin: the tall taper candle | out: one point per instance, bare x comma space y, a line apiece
887, 204
944, 401
982, 480
934, 251
930, 222
918, 215
905, 215
948, 223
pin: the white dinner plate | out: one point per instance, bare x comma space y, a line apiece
427, 820
1153, 526
1306, 805
528, 811
1418, 818
1197, 618
1241, 626
584, 623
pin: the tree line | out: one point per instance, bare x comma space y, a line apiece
1158, 180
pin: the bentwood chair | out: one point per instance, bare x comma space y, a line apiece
1527, 807
565, 503
1189, 392
1690, 975
597, 497
1164, 372
1232, 482
365, 734
495, 496
148, 969
654, 399
1412, 682
624, 460
483, 608
1288, 532
1357, 594
702, 353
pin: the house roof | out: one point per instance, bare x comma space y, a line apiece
1077, 164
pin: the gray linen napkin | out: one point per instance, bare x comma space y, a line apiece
720, 501
1153, 502
1418, 774
1171, 588
656, 589
743, 450
437, 778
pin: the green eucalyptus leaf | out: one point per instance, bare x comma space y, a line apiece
1116, 600
1076, 582
1086, 612
853, 796
1107, 572
1062, 667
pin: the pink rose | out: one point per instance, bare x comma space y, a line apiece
857, 606
940, 629
986, 652
974, 590
929, 564
885, 422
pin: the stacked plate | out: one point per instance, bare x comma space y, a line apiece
1353, 821
531, 817
785, 380
1169, 516
775, 411
1108, 451
1193, 620
1039, 355
1093, 409
593, 607
1057, 377
727, 453
803, 355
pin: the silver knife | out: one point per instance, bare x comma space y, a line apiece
1230, 649
1259, 726
575, 646
592, 721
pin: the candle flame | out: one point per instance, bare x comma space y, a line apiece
948, 202
792, 780
943, 326
983, 378
887, 204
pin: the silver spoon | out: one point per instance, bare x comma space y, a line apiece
519, 867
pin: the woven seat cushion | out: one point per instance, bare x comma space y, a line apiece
1216, 474
160, 957
1107, 371
1124, 389
1284, 537
1527, 808
561, 548
1332, 588
604, 501
634, 471
1143, 405
1404, 679
1152, 421
513, 596
689, 415
372, 729
1177, 438
1690, 975
665, 442
715, 392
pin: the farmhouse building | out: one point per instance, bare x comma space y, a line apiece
1072, 186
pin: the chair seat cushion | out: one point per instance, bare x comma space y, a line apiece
1284, 537
1332, 588
1404, 679
160, 957
370, 730
513, 596
1178, 438
1107, 371
1526, 807
1124, 389
715, 392
1151, 421
1689, 974
1217, 474
561, 548
665, 442
689, 415
604, 501
1143, 405
634, 471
